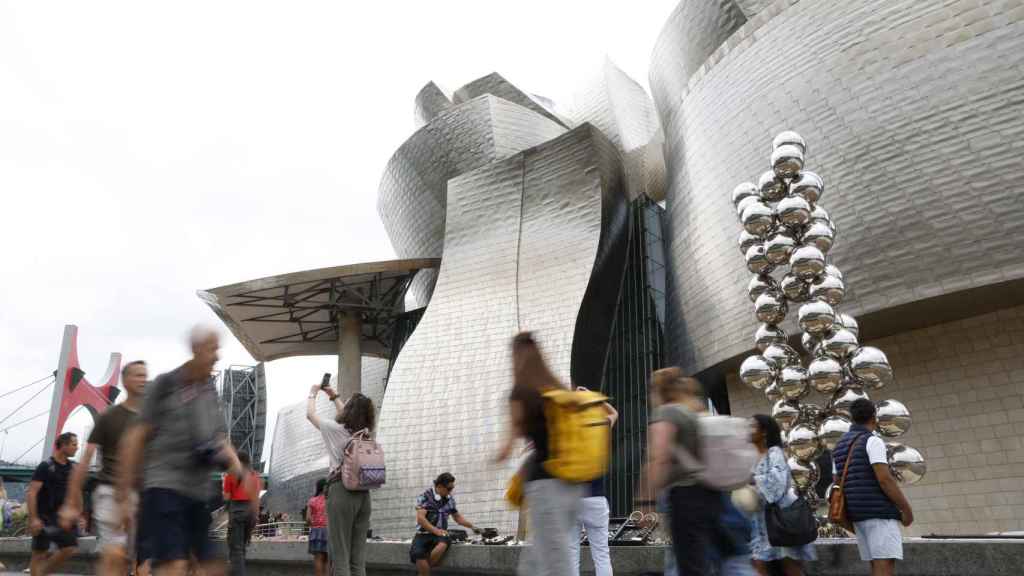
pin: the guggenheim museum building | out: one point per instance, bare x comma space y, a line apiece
606, 226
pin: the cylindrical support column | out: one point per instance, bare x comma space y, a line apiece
350, 355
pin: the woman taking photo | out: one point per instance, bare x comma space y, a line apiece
773, 483
316, 516
552, 504
348, 512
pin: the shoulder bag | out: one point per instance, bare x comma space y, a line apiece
794, 525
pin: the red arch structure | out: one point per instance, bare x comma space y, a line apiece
72, 390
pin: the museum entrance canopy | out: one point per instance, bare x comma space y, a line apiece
308, 313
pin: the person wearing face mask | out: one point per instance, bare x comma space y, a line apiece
433, 508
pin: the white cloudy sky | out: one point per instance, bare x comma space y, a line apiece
151, 149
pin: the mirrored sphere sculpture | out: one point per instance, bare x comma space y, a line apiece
893, 418
803, 442
828, 289
793, 211
744, 190
792, 381
757, 372
816, 318
772, 393
832, 429
785, 413
849, 323
771, 308
746, 240
747, 202
907, 463
833, 270
772, 189
758, 218
759, 285
794, 289
870, 366
839, 344
781, 355
807, 262
807, 185
819, 235
791, 138
810, 343
805, 474
825, 374
787, 160
768, 334
810, 414
757, 260
779, 246
843, 399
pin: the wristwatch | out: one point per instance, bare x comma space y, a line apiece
333, 398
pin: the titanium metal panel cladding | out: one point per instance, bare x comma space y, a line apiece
411, 197
914, 110
297, 456
523, 238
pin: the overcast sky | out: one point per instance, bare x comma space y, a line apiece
148, 150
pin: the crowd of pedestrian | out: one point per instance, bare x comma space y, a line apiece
737, 515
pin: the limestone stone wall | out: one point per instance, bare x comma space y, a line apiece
964, 384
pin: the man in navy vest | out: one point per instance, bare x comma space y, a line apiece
874, 502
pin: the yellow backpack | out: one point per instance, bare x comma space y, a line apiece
579, 435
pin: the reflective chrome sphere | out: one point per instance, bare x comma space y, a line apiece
807, 262
803, 442
787, 161
805, 474
785, 413
779, 246
811, 414
819, 214
810, 343
744, 190
794, 289
843, 399
770, 308
768, 334
893, 418
792, 382
793, 211
759, 285
816, 318
746, 240
772, 393
825, 374
832, 429
828, 289
758, 219
819, 235
772, 189
906, 463
747, 202
808, 185
833, 270
849, 323
757, 260
791, 138
781, 355
870, 366
839, 344
757, 372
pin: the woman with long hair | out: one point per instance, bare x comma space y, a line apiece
348, 512
552, 504
316, 516
773, 483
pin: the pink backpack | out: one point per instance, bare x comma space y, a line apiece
362, 467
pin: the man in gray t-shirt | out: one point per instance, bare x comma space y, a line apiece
179, 440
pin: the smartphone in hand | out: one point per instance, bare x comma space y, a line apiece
326, 382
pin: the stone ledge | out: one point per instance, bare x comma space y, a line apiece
924, 557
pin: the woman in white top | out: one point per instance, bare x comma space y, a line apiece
348, 512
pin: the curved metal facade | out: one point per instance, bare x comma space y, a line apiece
530, 241
913, 112
297, 455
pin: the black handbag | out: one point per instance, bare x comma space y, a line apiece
794, 525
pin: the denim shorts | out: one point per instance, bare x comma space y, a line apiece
879, 539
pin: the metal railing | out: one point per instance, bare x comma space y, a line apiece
273, 531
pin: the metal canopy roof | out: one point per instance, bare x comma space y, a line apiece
297, 314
